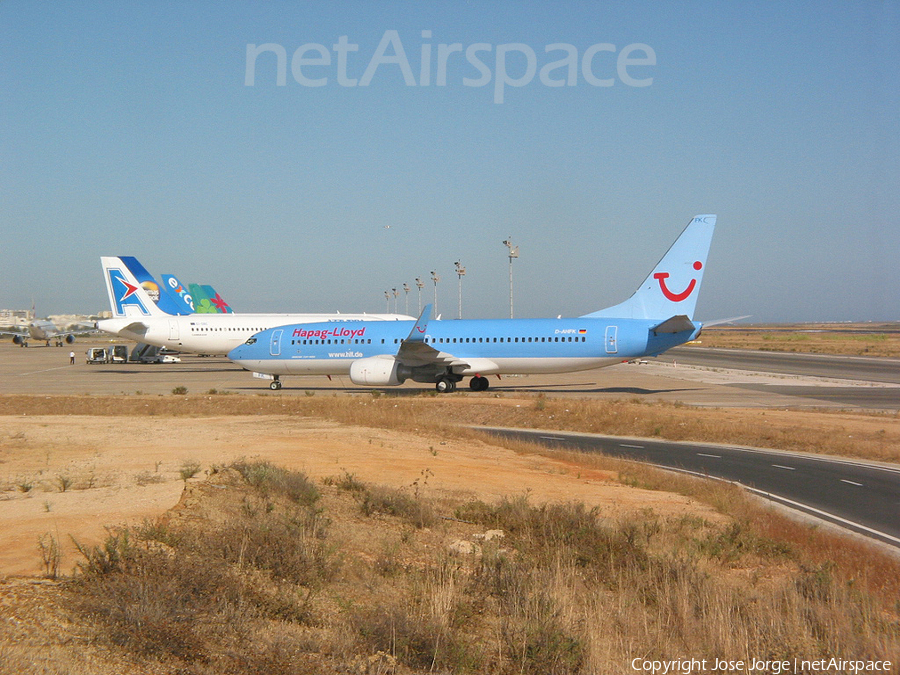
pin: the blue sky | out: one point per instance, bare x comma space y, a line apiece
128, 129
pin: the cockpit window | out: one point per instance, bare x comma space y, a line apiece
250, 341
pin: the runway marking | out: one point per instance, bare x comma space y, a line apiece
895, 541
851, 482
46, 370
702, 454
553, 438
636, 447
786, 468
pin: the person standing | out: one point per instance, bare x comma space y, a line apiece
71, 358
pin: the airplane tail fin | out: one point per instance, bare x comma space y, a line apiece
672, 287
179, 293
132, 291
217, 301
202, 303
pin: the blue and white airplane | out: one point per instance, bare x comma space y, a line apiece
657, 317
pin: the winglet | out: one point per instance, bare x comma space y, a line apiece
417, 334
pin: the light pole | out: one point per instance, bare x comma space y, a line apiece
460, 272
387, 297
406, 291
396, 295
435, 278
513, 253
420, 285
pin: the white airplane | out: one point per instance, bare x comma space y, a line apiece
138, 315
45, 331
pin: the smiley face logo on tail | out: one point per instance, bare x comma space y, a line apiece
677, 297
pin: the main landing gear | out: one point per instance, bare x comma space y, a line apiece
275, 384
478, 383
447, 384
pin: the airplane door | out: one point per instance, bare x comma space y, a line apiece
612, 345
275, 345
173, 329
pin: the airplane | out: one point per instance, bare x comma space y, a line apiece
46, 330
141, 313
658, 316
41, 329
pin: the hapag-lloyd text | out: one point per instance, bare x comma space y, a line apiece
336, 332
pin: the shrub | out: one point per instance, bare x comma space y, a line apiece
395, 502
272, 480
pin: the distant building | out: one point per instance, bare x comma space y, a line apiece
15, 317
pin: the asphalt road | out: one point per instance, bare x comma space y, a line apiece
865, 368
860, 496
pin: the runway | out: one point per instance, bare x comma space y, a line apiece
860, 496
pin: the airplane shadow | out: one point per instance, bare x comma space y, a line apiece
536, 389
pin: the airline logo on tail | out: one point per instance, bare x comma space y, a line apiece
124, 293
677, 297
179, 291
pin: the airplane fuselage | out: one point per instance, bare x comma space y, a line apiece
482, 347
212, 333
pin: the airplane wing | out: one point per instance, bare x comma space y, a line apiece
415, 351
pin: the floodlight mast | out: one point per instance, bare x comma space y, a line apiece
387, 297
420, 285
435, 278
513, 253
461, 272
406, 291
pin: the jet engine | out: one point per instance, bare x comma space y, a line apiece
18, 340
70, 339
377, 371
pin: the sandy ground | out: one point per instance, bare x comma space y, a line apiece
126, 470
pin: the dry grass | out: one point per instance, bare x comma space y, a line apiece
881, 340
564, 591
870, 436
349, 577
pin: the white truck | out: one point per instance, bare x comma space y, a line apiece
111, 354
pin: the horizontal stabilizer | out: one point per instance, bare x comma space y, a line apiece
720, 322
675, 324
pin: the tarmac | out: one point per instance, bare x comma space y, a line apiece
39, 370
